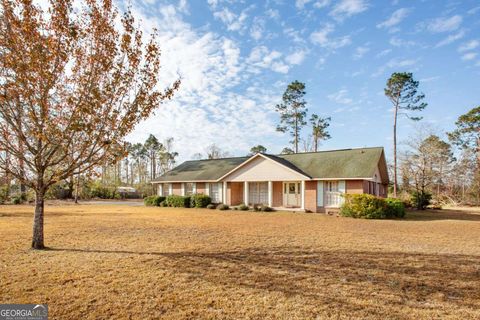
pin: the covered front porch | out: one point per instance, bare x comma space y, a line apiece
275, 194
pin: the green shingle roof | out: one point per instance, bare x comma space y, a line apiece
202, 170
347, 163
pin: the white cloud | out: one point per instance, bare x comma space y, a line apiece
451, 38
262, 57
383, 53
340, 96
439, 25
347, 8
395, 18
294, 35
360, 52
273, 13
397, 42
296, 57
321, 4
395, 63
257, 29
301, 3
206, 109
233, 21
321, 38
469, 56
470, 45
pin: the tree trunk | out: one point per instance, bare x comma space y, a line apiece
296, 134
395, 181
37, 239
77, 188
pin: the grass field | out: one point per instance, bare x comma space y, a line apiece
117, 261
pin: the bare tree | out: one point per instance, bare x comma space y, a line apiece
72, 86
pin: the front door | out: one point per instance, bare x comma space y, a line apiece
291, 194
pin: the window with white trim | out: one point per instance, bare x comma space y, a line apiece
214, 192
258, 193
166, 189
190, 188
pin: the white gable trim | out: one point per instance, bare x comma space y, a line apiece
262, 156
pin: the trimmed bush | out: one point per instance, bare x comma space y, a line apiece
200, 201
222, 206
163, 204
395, 208
364, 206
149, 201
243, 207
178, 201
266, 209
153, 201
211, 206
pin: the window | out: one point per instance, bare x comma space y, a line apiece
215, 192
258, 193
190, 188
331, 186
166, 189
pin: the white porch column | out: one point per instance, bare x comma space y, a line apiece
245, 193
224, 192
270, 194
160, 189
302, 194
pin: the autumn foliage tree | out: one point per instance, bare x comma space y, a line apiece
73, 84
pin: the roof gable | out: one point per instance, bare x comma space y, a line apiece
264, 167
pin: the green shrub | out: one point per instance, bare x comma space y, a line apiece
395, 208
3, 194
364, 206
222, 206
17, 200
243, 207
163, 204
149, 201
421, 199
200, 201
178, 201
266, 209
153, 200
211, 206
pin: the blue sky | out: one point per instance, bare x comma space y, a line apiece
236, 58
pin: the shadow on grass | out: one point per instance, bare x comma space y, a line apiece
444, 214
328, 278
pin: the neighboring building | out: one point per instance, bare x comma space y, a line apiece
313, 181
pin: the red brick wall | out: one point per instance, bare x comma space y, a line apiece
311, 196
354, 186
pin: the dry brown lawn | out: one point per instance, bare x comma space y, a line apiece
117, 261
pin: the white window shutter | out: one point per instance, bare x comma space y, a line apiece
183, 189
320, 193
170, 189
220, 192
341, 186
194, 188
